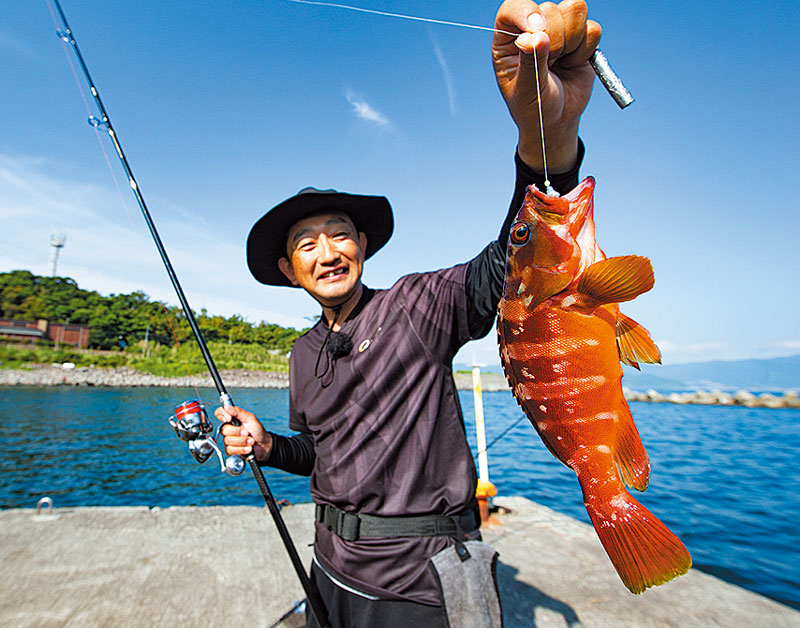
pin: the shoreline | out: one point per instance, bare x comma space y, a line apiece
122, 376
58, 375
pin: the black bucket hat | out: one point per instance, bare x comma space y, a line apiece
266, 243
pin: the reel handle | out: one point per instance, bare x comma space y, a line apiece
234, 465
192, 425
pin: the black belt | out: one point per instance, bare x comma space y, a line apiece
352, 526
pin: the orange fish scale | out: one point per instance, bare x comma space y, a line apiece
566, 376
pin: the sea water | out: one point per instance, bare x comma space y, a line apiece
724, 479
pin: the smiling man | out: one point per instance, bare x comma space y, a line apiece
373, 404
325, 257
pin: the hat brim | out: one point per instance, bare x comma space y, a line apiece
266, 244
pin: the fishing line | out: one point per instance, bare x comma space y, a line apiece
599, 62
96, 127
499, 436
180, 349
404, 17
548, 188
191, 422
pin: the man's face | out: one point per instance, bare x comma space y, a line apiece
325, 256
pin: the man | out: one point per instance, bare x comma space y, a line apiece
372, 399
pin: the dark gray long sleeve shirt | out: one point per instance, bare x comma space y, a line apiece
381, 431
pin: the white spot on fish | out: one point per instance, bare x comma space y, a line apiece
618, 502
564, 346
603, 416
604, 449
543, 408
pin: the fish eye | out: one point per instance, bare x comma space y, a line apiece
520, 233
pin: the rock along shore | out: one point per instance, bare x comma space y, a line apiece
58, 375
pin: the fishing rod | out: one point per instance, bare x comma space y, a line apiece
191, 422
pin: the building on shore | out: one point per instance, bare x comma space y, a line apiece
58, 333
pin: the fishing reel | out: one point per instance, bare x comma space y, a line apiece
192, 425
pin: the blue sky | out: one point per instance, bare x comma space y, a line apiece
225, 109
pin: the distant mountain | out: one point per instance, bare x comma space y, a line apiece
772, 374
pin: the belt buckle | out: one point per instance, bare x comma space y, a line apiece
348, 525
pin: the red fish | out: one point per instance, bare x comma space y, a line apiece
562, 338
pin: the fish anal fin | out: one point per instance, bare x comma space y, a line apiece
634, 343
617, 279
642, 549
630, 456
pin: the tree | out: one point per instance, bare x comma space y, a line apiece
126, 317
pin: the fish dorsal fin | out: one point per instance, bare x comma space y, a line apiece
634, 343
617, 279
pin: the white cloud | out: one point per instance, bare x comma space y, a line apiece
448, 77
17, 46
667, 347
106, 252
678, 353
788, 345
365, 111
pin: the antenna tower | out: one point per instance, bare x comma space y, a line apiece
57, 241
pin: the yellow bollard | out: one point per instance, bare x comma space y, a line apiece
484, 491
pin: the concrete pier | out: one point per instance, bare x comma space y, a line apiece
223, 566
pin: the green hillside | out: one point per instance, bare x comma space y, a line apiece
131, 330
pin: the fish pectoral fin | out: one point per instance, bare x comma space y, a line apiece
634, 343
617, 279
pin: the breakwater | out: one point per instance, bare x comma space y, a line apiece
60, 375
745, 398
139, 566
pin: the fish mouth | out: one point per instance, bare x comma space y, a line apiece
550, 208
545, 198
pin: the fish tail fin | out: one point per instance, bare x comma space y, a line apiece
642, 549
633, 463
